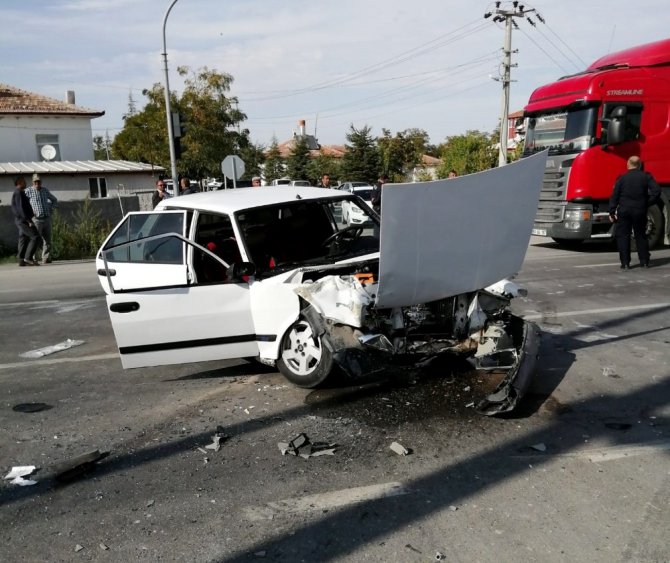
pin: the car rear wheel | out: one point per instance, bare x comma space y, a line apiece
303, 358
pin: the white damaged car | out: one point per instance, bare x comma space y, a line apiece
272, 274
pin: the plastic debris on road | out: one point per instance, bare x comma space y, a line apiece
41, 352
399, 449
17, 475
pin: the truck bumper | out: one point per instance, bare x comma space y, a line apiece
560, 231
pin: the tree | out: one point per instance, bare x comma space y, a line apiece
400, 154
473, 152
274, 163
253, 157
101, 147
361, 160
323, 164
209, 121
298, 160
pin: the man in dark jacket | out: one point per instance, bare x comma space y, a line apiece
633, 193
23, 218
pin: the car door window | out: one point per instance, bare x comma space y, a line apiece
137, 227
215, 233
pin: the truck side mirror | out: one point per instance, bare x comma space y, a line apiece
615, 126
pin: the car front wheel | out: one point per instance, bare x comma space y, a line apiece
303, 358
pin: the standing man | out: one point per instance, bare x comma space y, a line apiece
325, 181
376, 201
633, 193
256, 182
159, 193
42, 201
23, 218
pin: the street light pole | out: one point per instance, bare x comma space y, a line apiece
168, 112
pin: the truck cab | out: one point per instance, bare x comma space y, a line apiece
591, 123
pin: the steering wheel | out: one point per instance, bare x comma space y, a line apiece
352, 232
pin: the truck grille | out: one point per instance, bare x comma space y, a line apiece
551, 208
553, 185
548, 212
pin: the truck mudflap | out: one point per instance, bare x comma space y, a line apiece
526, 338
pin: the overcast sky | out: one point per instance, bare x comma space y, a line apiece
388, 64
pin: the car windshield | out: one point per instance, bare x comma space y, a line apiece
561, 132
303, 233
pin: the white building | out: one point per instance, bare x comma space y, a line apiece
54, 138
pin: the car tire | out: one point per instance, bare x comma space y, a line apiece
304, 359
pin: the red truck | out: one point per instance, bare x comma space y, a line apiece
591, 123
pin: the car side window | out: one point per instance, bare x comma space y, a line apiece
136, 227
215, 233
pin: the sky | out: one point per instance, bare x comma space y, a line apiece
385, 64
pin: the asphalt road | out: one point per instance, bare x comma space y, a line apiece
595, 487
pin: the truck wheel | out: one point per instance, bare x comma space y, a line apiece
568, 242
654, 228
303, 357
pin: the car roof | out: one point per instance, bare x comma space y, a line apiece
230, 201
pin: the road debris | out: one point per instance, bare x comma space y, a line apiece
541, 447
77, 466
412, 548
41, 352
399, 449
104, 547
150, 503
260, 554
217, 439
301, 446
18, 473
439, 556
453, 508
610, 371
78, 548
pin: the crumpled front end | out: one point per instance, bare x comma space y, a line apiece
478, 326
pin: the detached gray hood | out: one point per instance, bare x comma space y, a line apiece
444, 238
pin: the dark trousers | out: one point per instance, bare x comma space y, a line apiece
637, 220
28, 240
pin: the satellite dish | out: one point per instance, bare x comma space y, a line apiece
48, 152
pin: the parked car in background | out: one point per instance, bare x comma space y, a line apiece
350, 185
353, 212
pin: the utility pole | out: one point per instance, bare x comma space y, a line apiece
507, 15
168, 113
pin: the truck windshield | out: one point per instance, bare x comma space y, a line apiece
560, 132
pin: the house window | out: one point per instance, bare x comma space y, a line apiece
47, 147
97, 187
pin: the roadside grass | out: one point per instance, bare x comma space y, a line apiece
75, 238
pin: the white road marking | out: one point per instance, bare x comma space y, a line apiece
597, 311
30, 363
322, 501
597, 265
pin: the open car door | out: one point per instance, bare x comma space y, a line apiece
156, 262
191, 315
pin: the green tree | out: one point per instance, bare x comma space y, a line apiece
274, 163
210, 119
473, 152
323, 164
144, 137
401, 153
253, 156
361, 161
298, 160
101, 147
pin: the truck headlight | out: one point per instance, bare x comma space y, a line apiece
578, 215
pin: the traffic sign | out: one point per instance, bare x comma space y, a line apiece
233, 167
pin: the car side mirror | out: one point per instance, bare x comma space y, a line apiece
239, 270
